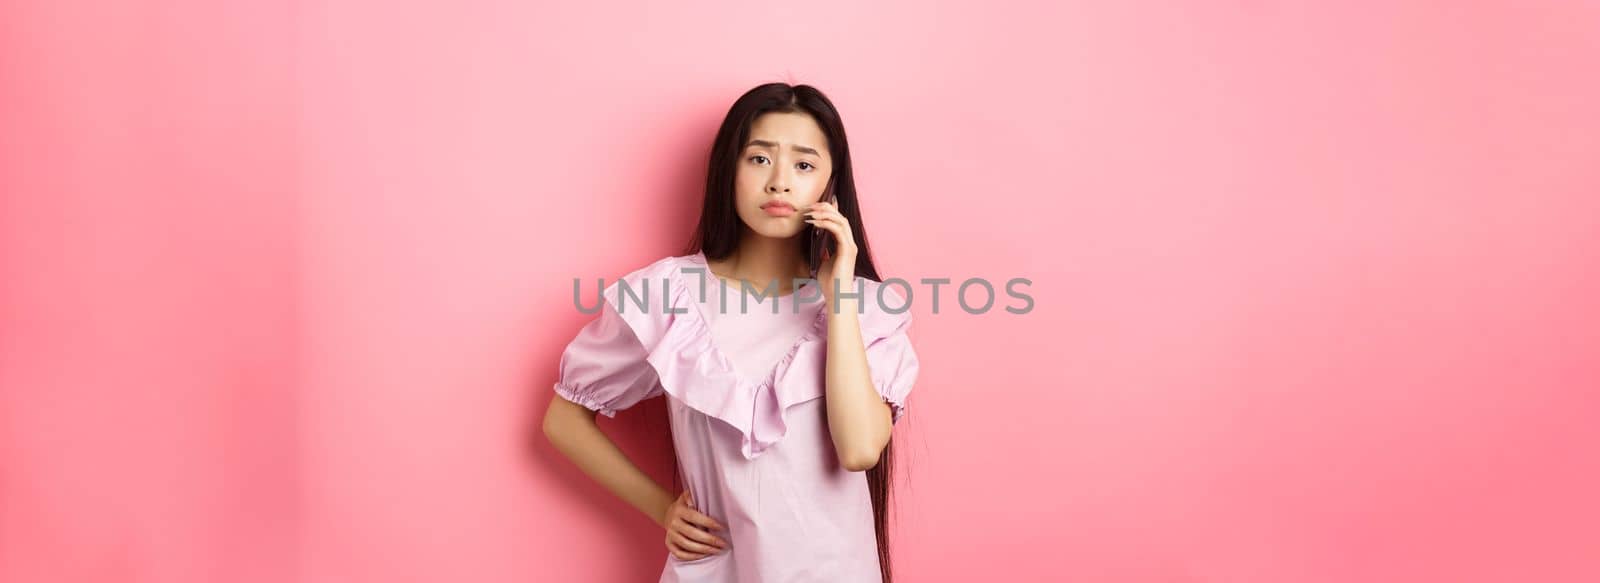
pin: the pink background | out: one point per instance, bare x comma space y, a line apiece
285, 284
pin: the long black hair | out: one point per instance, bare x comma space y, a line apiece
717, 235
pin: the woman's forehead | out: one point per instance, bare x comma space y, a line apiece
789, 131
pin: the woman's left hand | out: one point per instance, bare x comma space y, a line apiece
842, 266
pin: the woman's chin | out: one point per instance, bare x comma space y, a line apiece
776, 228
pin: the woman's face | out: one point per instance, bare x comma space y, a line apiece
784, 161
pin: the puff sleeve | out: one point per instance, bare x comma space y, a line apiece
892, 359
604, 367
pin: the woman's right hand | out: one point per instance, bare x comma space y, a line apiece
688, 536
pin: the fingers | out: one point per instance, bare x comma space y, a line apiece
687, 545
829, 224
825, 215
687, 531
698, 534
681, 554
694, 516
824, 210
822, 204
697, 525
697, 518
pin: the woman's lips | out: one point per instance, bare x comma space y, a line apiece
778, 210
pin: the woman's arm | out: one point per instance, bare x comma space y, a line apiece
572, 430
858, 418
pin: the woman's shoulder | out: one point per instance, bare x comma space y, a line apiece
669, 266
892, 295
661, 276
885, 307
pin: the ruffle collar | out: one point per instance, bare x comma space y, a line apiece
691, 368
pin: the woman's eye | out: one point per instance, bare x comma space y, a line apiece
758, 159
805, 165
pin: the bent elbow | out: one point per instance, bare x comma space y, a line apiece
551, 426
860, 461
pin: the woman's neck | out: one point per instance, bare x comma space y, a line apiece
762, 261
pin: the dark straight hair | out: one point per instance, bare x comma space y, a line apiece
717, 235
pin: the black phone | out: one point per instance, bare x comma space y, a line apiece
821, 239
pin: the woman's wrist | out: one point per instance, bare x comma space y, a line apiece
839, 291
659, 508
847, 306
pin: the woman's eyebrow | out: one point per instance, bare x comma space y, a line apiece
796, 147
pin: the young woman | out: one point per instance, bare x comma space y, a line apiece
784, 359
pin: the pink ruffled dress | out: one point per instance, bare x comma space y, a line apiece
745, 396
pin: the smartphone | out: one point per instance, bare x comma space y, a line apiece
821, 239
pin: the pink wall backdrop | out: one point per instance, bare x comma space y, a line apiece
283, 286
150, 317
